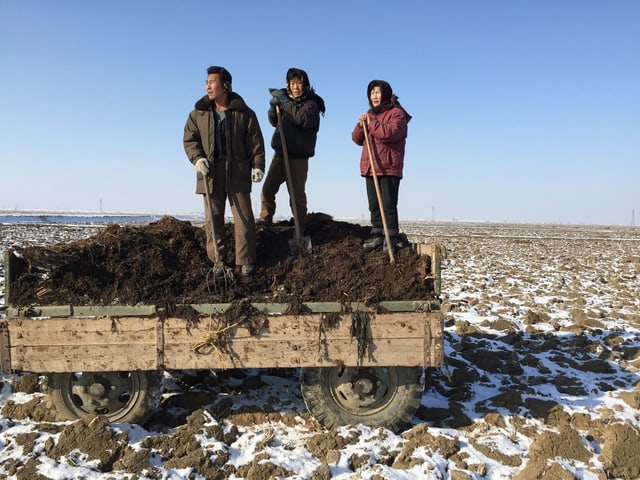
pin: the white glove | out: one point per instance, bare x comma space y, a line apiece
202, 166
257, 175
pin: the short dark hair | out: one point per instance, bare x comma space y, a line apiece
224, 74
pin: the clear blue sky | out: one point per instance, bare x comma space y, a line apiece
523, 111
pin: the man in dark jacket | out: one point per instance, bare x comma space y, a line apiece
223, 140
300, 109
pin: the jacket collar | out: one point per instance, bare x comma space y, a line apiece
236, 102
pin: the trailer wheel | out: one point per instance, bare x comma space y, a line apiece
123, 397
374, 396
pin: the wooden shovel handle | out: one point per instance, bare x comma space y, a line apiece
392, 258
287, 171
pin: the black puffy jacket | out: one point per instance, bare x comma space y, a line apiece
301, 122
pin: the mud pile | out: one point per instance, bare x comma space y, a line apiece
165, 263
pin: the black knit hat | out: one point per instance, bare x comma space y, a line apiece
385, 88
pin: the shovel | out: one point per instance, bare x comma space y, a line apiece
392, 258
227, 275
299, 242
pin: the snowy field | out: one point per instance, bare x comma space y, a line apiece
542, 381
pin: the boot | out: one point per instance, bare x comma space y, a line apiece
394, 244
372, 244
403, 241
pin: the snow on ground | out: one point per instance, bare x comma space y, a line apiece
541, 381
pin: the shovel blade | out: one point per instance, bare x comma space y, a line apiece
296, 245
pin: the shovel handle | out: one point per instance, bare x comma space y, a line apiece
287, 171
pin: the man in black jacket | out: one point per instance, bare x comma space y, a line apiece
300, 109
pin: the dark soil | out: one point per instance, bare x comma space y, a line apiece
165, 263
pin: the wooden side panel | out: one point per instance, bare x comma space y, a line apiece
143, 343
297, 341
84, 344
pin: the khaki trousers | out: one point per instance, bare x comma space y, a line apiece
243, 220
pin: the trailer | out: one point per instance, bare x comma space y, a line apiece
358, 363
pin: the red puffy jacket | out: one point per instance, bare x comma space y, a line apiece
388, 136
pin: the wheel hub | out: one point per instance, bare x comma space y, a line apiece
363, 387
360, 388
101, 393
96, 390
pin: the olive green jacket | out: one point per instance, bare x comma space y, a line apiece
245, 143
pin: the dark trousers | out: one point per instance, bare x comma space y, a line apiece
389, 188
276, 176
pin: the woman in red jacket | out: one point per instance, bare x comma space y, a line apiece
386, 122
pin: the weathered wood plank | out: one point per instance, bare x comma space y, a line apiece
434, 355
83, 344
301, 327
294, 341
5, 351
84, 331
88, 358
274, 354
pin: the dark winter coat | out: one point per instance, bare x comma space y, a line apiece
388, 135
245, 143
301, 122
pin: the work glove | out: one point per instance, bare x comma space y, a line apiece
278, 96
202, 166
257, 175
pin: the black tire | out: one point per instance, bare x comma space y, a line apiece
374, 396
123, 397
